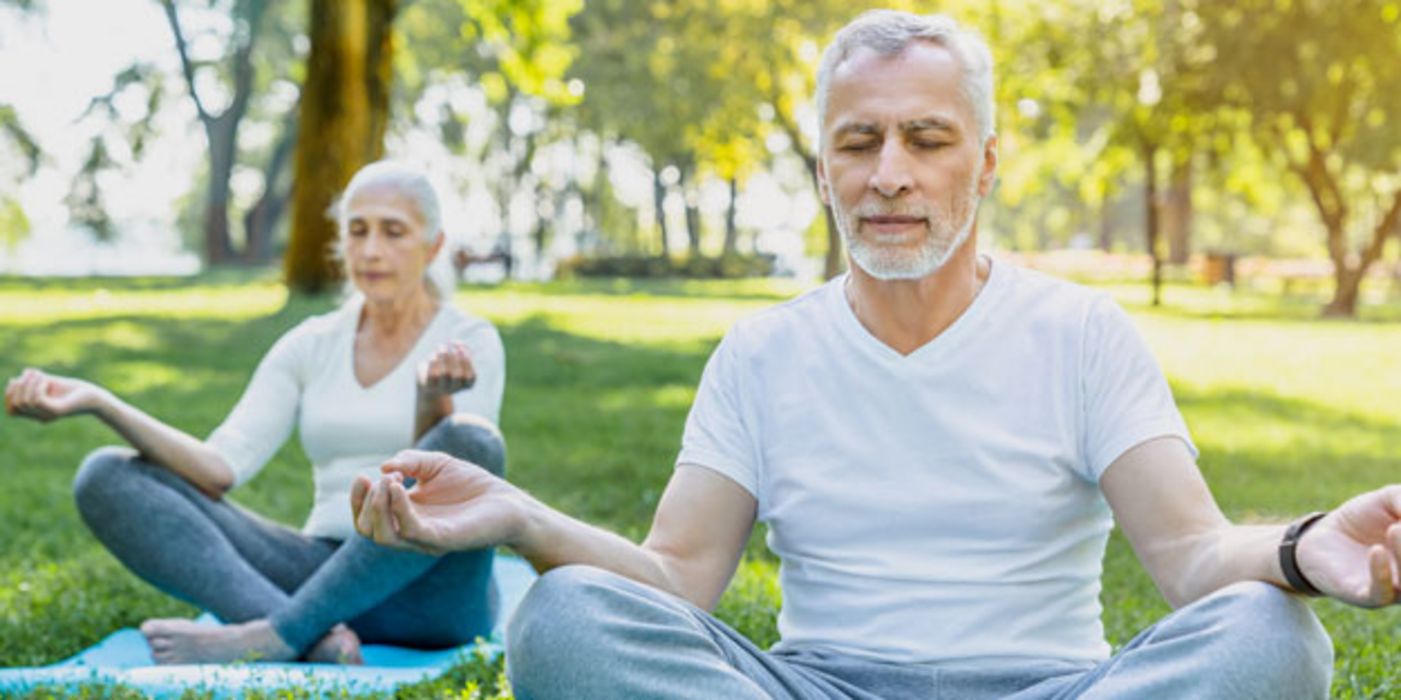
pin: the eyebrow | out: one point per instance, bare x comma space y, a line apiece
929, 123
913, 125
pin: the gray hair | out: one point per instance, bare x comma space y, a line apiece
888, 32
414, 184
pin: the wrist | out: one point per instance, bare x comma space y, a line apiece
103, 404
1289, 554
532, 533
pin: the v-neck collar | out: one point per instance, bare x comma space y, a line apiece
940, 344
353, 324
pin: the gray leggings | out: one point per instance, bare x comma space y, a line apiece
240, 566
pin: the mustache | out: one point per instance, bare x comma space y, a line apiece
870, 209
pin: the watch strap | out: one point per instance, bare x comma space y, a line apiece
1288, 554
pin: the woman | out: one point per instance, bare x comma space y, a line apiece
395, 366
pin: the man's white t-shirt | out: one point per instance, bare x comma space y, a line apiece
307, 381
942, 505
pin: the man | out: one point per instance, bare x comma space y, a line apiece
936, 442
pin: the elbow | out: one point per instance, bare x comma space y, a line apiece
216, 488
218, 478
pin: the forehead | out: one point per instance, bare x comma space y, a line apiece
382, 201
923, 80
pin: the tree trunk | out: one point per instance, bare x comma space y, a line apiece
223, 147
1347, 278
833, 263
658, 200
344, 111
693, 222
1177, 212
261, 220
1151, 225
731, 230
221, 130
1106, 227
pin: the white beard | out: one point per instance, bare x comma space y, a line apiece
948, 229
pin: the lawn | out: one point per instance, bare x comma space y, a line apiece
1290, 413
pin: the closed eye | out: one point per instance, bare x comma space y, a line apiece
857, 146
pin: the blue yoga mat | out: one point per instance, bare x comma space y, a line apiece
123, 657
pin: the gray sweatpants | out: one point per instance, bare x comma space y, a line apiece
585, 633
241, 566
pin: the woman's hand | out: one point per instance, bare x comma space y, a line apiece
44, 397
454, 505
447, 372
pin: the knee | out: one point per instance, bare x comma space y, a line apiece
101, 469
1277, 640
560, 622
468, 437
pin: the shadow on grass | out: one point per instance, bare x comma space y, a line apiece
224, 276
750, 289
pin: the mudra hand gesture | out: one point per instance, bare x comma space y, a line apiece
447, 372
453, 505
45, 397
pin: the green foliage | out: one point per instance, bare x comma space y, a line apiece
14, 224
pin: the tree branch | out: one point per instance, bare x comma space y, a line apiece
185, 65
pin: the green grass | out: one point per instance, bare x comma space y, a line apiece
1290, 413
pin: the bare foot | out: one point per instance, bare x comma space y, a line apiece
340, 646
181, 641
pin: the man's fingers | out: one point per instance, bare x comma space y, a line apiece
1393, 540
411, 527
1383, 585
364, 517
382, 527
413, 463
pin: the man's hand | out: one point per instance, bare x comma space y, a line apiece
44, 397
447, 372
454, 505
1353, 554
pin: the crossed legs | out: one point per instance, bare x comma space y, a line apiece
286, 595
586, 633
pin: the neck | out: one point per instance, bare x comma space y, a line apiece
399, 315
907, 314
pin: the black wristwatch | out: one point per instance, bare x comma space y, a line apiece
1288, 560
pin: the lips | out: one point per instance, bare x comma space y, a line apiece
893, 220
893, 225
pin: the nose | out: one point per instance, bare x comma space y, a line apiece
372, 244
892, 177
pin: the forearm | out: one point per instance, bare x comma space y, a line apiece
1197, 566
428, 410
551, 539
165, 445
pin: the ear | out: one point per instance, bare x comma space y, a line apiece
824, 188
437, 245
989, 173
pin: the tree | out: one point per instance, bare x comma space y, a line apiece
1323, 88
514, 55
342, 120
238, 76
